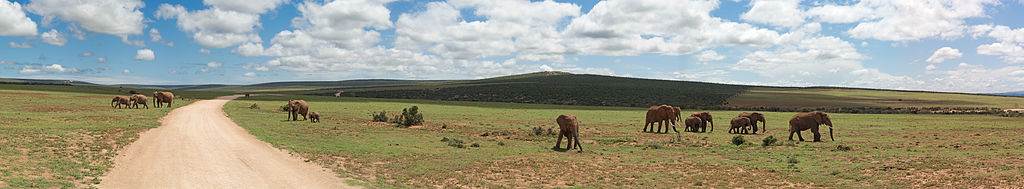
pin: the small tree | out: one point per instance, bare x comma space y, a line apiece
738, 140
411, 116
380, 117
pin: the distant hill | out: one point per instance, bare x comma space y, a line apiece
46, 82
1018, 93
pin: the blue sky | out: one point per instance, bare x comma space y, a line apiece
940, 45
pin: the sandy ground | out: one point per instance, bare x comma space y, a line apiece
197, 146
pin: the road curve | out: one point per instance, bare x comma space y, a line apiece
197, 146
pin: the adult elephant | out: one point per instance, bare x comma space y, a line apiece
754, 118
678, 111
119, 100
810, 120
137, 99
663, 115
162, 97
296, 108
705, 118
739, 125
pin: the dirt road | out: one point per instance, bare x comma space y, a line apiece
199, 147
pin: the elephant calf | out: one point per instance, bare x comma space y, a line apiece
739, 124
314, 117
693, 123
570, 129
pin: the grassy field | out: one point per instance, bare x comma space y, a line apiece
810, 97
54, 136
876, 150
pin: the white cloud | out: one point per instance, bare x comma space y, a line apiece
977, 78
214, 64
698, 75
5, 62
87, 53
127, 71
785, 13
154, 35
944, 53
21, 45
344, 23
1005, 34
218, 27
255, 66
1009, 52
709, 55
245, 6
204, 51
820, 61
101, 59
53, 68
13, 21
144, 54
115, 17
249, 74
904, 20
930, 67
54, 38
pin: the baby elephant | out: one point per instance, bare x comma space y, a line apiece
738, 124
314, 117
570, 128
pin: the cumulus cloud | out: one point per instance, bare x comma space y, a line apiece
154, 35
126, 71
977, 78
115, 17
709, 55
204, 51
345, 23
249, 74
53, 37
53, 68
144, 54
1009, 52
944, 53
698, 75
214, 64
101, 59
785, 13
904, 20
21, 45
225, 24
86, 53
13, 21
930, 67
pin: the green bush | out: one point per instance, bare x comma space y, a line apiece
768, 141
254, 106
738, 140
454, 142
843, 148
381, 117
410, 116
475, 145
793, 161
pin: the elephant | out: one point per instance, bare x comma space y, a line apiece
663, 115
739, 124
692, 123
569, 127
137, 99
705, 117
678, 112
314, 117
754, 118
810, 120
119, 100
162, 97
296, 108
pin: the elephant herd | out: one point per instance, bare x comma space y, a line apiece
159, 98
300, 107
744, 123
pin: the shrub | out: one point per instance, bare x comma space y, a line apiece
475, 145
380, 117
254, 106
768, 141
454, 142
411, 116
843, 148
501, 143
133, 92
737, 140
793, 161
539, 131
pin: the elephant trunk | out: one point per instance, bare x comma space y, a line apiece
764, 126
830, 133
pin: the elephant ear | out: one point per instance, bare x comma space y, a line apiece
818, 117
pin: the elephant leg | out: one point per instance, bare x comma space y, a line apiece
577, 138
645, 126
791, 135
817, 136
569, 140
673, 129
659, 126
558, 142
799, 136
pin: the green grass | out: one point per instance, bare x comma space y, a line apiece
883, 150
814, 97
54, 136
